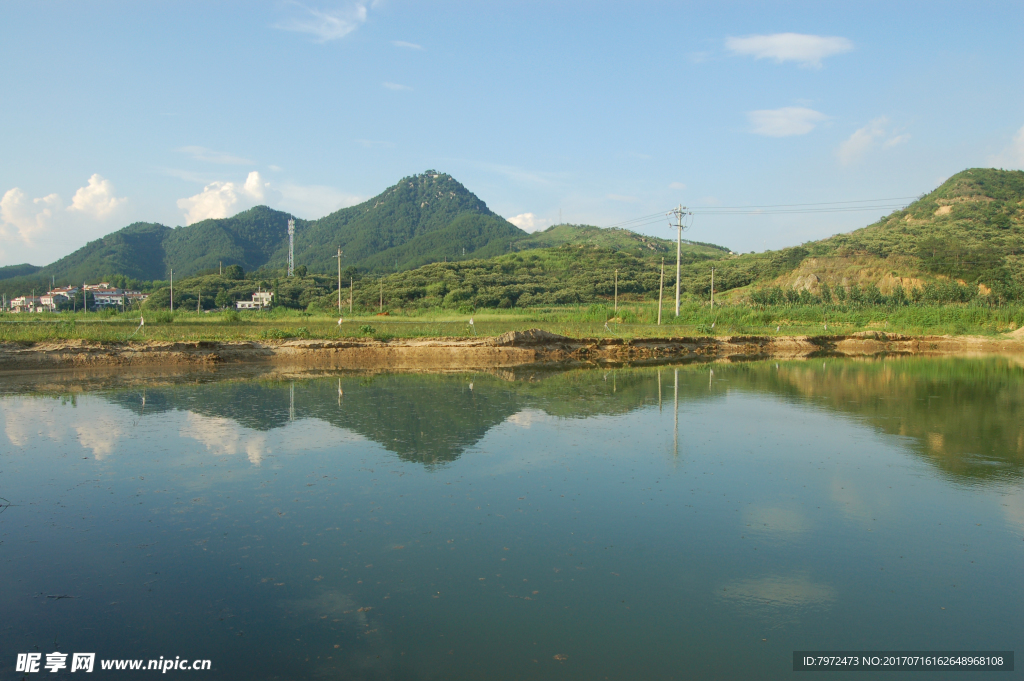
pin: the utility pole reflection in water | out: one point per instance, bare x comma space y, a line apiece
675, 429
291, 402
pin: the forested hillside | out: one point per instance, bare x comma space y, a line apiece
435, 243
421, 219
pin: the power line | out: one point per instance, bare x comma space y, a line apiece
822, 203
758, 211
775, 209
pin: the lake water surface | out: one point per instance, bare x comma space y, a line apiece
631, 523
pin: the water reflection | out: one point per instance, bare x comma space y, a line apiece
964, 416
517, 525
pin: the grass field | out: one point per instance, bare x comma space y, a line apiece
633, 320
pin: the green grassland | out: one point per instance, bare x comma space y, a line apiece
631, 320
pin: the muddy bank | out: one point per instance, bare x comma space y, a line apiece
513, 349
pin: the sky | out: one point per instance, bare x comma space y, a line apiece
602, 113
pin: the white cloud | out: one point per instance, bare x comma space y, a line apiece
276, 169
861, 141
396, 86
528, 222
402, 43
211, 156
96, 199
677, 185
220, 199
893, 141
785, 122
24, 219
315, 201
102, 437
807, 50
865, 139
527, 417
224, 437
326, 26
1013, 156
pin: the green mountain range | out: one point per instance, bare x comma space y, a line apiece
966, 237
423, 219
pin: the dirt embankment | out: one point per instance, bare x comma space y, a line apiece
509, 350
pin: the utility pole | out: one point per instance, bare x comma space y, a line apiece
199, 303
220, 266
350, 280
172, 290
661, 290
616, 291
712, 289
679, 212
381, 294
339, 280
291, 246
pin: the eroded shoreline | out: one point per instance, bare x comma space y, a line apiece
514, 349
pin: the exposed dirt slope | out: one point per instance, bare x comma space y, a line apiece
509, 350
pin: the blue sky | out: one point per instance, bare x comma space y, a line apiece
598, 112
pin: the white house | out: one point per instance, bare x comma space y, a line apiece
106, 296
27, 304
260, 300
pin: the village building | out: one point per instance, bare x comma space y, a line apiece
260, 300
27, 304
104, 297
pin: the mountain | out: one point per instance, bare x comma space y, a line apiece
22, 270
421, 219
971, 228
572, 273
616, 239
966, 236
424, 219
441, 244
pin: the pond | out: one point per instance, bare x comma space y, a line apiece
699, 521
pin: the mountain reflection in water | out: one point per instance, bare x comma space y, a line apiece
656, 522
964, 416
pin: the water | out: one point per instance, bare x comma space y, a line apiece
562, 526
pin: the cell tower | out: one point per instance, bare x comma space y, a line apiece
291, 246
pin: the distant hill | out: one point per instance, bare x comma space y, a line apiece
616, 239
572, 273
970, 229
18, 270
426, 218
422, 219
968, 233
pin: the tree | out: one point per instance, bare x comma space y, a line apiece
300, 271
234, 272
